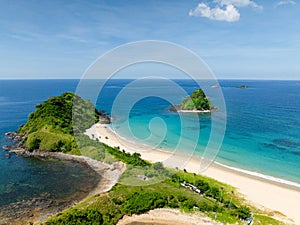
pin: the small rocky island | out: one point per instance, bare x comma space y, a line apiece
196, 102
242, 86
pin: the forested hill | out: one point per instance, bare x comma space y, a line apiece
197, 101
52, 125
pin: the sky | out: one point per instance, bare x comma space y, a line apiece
237, 39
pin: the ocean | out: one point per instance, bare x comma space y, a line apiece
262, 134
24, 179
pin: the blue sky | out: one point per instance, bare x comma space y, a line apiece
238, 39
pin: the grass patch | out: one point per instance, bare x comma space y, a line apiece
265, 220
127, 200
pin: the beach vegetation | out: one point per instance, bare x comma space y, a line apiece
58, 125
76, 216
124, 200
263, 219
53, 127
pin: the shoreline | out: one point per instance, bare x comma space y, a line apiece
193, 111
110, 175
145, 147
259, 176
266, 194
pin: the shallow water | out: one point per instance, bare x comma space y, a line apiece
262, 133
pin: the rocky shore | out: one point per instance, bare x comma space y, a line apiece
179, 108
39, 208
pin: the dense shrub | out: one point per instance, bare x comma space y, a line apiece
243, 212
52, 125
138, 203
197, 100
80, 217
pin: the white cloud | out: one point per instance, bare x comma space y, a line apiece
285, 2
239, 3
225, 10
229, 14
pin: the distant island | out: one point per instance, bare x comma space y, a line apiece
216, 86
196, 102
242, 86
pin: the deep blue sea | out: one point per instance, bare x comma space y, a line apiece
22, 179
262, 132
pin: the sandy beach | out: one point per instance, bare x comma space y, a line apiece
277, 198
167, 217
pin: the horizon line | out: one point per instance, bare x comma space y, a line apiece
134, 78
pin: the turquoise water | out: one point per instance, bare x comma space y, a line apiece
262, 133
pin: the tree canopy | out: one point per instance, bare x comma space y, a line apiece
196, 101
52, 125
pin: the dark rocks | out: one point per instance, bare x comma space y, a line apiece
17, 147
14, 136
242, 86
7, 147
104, 118
20, 152
9, 134
175, 108
30, 209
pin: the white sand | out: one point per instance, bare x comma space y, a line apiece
262, 193
168, 217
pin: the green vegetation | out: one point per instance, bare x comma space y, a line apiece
219, 200
145, 175
262, 220
197, 101
58, 125
57, 113
88, 216
51, 127
131, 159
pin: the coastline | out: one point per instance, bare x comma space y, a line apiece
194, 111
110, 174
270, 195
